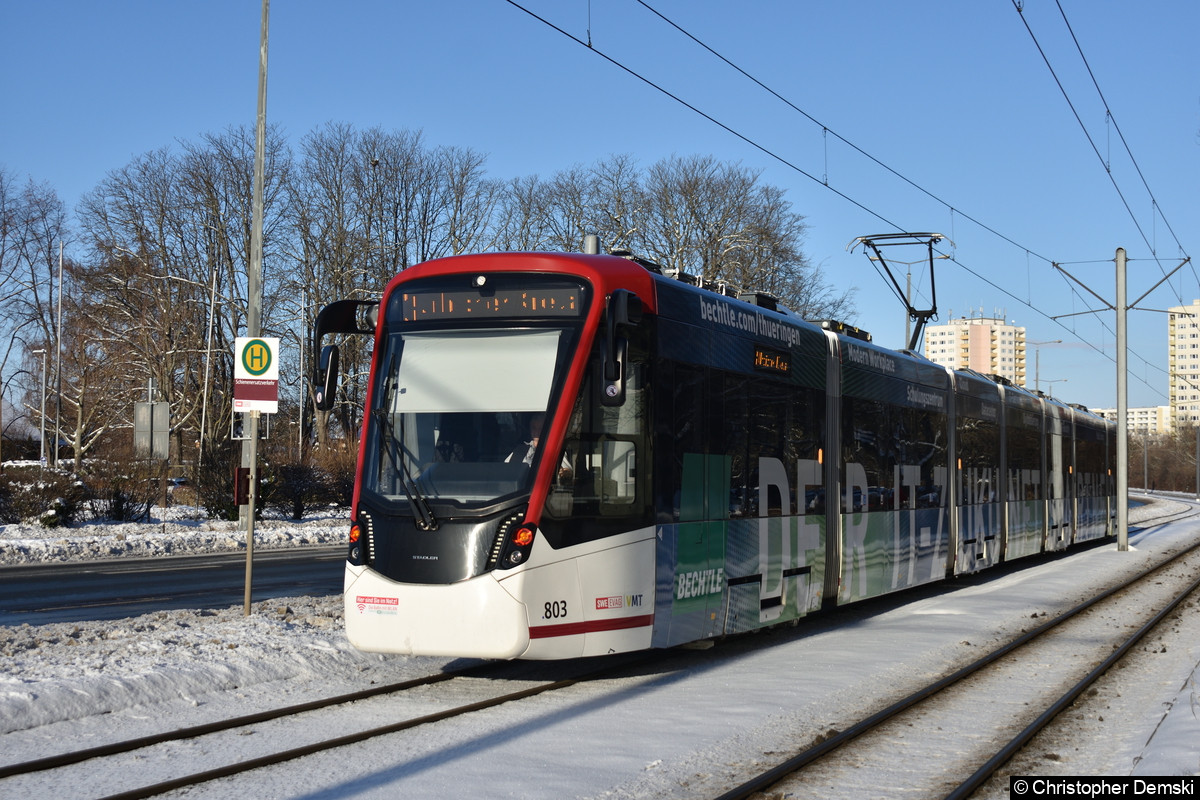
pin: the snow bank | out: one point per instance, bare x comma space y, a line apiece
69, 671
172, 532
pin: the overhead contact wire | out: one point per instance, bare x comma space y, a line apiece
790, 165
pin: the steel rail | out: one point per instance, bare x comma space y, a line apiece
129, 745
354, 738
992, 765
798, 762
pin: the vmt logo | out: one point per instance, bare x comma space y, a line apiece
256, 357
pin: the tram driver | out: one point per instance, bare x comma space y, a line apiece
525, 451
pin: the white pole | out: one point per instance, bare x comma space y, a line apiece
42, 412
58, 359
1122, 408
254, 290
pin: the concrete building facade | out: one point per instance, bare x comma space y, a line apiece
1183, 364
1143, 421
985, 344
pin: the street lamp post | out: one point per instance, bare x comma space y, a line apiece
1050, 385
58, 348
1037, 362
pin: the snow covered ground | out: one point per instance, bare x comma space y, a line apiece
75, 685
178, 530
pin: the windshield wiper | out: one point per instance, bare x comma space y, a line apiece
425, 520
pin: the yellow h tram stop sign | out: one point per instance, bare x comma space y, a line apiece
256, 374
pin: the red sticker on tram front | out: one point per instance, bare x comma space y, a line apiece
369, 604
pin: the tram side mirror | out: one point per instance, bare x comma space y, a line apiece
357, 317
624, 312
326, 378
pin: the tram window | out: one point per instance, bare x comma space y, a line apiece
606, 476
1091, 478
742, 418
882, 439
775, 431
729, 428
979, 456
1024, 460
605, 490
921, 443
868, 441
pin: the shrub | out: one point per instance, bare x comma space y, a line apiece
296, 488
31, 493
338, 465
123, 491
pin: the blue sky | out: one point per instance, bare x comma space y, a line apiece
953, 96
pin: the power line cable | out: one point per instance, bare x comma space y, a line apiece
1087, 134
1155, 207
693, 108
1117, 128
744, 138
826, 130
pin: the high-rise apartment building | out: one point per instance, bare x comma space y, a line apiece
1143, 420
1183, 364
985, 344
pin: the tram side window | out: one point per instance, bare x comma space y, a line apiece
899, 453
1092, 478
979, 456
785, 424
868, 442
743, 418
1024, 461
680, 431
922, 443
729, 429
604, 486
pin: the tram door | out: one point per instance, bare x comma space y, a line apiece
700, 546
1059, 523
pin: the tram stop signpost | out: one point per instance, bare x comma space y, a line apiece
255, 390
256, 374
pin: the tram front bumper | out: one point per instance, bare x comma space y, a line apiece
476, 618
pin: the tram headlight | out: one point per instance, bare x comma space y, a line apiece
517, 548
355, 554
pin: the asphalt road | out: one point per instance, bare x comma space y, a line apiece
42, 593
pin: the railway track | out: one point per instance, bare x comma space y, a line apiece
415, 705
460, 682
1011, 694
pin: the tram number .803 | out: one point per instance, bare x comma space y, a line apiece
555, 609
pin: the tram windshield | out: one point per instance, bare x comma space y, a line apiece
459, 413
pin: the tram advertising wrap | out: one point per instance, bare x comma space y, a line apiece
568, 455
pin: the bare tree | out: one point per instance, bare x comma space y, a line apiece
693, 215
161, 286
169, 233
328, 198
365, 206
32, 229
522, 222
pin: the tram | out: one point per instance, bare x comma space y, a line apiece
567, 455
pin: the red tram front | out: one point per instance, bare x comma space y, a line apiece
500, 510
